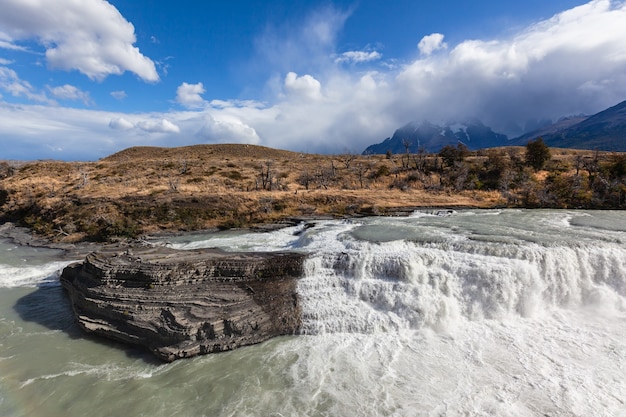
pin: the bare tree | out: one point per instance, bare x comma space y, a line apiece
347, 159
361, 170
305, 179
266, 175
406, 158
419, 159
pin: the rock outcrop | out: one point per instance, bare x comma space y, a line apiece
180, 304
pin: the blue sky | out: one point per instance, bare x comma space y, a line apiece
82, 80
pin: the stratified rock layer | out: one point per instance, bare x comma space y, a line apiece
184, 303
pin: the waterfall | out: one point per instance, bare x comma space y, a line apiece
385, 286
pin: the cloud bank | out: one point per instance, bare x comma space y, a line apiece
574, 62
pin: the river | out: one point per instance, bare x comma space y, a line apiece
468, 313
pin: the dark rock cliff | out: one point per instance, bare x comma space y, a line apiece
184, 303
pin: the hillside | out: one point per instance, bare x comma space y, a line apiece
199, 152
148, 189
549, 130
605, 131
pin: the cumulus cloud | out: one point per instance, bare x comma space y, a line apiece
153, 125
189, 95
158, 126
70, 92
431, 43
120, 123
226, 129
358, 57
90, 36
305, 86
119, 95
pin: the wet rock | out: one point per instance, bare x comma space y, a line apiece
184, 303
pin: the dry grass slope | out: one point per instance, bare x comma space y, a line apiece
147, 189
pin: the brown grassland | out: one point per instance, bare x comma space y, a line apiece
145, 190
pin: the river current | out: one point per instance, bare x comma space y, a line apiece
468, 313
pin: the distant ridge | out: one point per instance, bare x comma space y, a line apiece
431, 137
605, 131
551, 129
224, 150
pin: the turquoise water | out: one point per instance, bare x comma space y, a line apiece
477, 313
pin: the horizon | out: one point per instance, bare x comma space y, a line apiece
82, 81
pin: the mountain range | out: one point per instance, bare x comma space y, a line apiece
605, 130
431, 137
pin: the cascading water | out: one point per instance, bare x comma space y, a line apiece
475, 313
403, 284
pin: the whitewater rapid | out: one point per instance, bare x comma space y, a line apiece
435, 270
469, 313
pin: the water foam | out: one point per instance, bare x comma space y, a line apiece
352, 285
285, 238
109, 372
31, 276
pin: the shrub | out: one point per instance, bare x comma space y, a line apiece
537, 154
381, 171
233, 175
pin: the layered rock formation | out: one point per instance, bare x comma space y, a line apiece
184, 303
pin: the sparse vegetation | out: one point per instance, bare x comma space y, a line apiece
142, 190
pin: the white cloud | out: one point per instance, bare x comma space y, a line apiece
4, 61
158, 126
7, 43
536, 73
70, 92
90, 36
189, 95
358, 56
223, 104
571, 63
226, 129
431, 43
12, 84
119, 95
120, 123
305, 86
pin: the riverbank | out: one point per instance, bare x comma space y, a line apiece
143, 191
